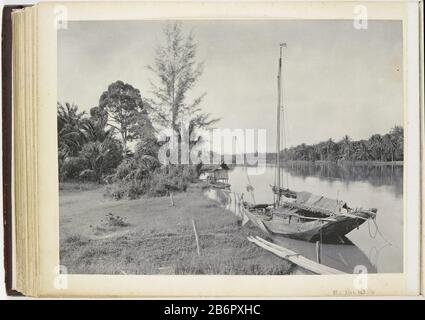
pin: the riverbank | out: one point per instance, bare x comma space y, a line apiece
340, 162
149, 236
352, 163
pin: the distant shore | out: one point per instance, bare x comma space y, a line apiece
324, 162
346, 162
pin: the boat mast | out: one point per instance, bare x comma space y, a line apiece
279, 104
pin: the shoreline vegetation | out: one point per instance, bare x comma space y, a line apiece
378, 148
326, 162
94, 147
348, 162
344, 162
149, 236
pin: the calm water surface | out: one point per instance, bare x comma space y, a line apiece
379, 187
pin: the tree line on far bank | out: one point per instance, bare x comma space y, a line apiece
94, 146
383, 148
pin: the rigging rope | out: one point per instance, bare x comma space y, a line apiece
377, 231
370, 233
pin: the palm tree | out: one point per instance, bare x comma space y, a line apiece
362, 152
389, 146
346, 147
311, 153
398, 140
318, 150
96, 130
330, 149
301, 152
376, 144
102, 157
70, 133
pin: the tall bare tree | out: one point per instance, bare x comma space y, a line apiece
177, 72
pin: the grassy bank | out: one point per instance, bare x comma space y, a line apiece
149, 236
78, 186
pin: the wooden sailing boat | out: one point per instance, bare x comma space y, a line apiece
302, 215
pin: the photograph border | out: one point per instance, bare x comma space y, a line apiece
406, 283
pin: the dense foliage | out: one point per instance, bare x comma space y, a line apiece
87, 147
92, 149
157, 182
387, 147
123, 109
96, 147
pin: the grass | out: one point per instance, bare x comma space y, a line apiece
78, 186
149, 236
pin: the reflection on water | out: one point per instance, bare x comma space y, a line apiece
378, 250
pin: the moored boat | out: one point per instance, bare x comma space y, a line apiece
217, 177
309, 217
303, 215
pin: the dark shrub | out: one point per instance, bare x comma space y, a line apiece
72, 167
132, 182
101, 157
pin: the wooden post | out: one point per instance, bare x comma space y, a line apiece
198, 249
234, 197
318, 251
171, 199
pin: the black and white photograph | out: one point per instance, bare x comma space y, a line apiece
230, 147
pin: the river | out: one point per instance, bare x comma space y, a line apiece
372, 250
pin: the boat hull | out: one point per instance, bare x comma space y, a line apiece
328, 230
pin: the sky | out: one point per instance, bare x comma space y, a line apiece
337, 80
